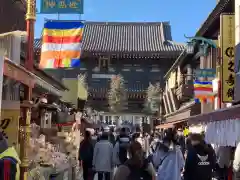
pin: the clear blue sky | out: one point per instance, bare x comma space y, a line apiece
185, 16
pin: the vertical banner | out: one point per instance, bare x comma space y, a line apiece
227, 33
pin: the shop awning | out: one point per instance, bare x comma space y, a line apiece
18, 73
45, 85
218, 115
169, 125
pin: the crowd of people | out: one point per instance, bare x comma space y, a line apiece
133, 156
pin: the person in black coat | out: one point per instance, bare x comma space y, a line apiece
200, 160
86, 155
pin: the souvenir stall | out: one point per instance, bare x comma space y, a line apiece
55, 157
222, 127
222, 130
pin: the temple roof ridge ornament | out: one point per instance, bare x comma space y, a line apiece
203, 40
203, 45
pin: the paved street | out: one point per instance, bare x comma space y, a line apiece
81, 177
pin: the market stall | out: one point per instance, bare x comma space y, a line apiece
222, 130
222, 126
52, 157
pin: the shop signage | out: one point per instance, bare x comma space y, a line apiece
61, 7
227, 42
9, 125
205, 73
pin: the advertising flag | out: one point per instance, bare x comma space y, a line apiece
61, 44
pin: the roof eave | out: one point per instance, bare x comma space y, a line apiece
50, 77
177, 62
219, 8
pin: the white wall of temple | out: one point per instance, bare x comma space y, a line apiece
112, 118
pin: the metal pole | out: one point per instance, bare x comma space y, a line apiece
26, 110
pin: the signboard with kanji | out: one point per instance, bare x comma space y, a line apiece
205, 73
61, 7
227, 42
9, 125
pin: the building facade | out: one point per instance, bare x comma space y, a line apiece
140, 52
178, 97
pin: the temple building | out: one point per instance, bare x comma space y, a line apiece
141, 52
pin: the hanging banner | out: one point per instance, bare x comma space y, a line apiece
203, 91
227, 33
61, 44
61, 7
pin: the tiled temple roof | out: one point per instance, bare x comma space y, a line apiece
127, 37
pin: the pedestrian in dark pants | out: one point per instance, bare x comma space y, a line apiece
86, 156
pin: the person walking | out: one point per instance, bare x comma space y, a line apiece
200, 160
9, 161
136, 167
112, 137
146, 144
168, 158
102, 158
120, 149
86, 155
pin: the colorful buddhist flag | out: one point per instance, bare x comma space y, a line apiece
203, 91
61, 44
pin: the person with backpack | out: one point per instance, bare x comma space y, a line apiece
120, 154
200, 160
136, 167
168, 158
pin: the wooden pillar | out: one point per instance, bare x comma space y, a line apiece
189, 74
26, 110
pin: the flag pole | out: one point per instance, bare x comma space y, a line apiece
26, 109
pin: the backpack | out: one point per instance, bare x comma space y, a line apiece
139, 173
122, 155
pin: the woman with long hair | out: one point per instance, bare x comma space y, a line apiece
137, 167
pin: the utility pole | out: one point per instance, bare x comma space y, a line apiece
26, 105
